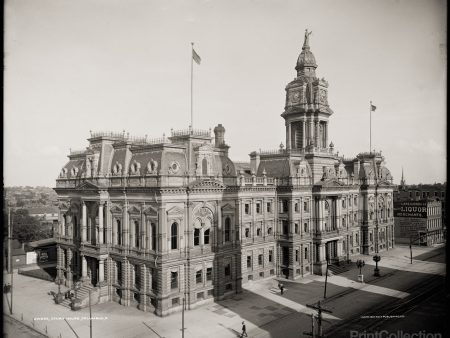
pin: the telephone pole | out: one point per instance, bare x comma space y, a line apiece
319, 309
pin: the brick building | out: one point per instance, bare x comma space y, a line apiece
150, 222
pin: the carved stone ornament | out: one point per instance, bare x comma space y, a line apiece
117, 169
152, 167
174, 167
135, 168
227, 169
63, 173
74, 172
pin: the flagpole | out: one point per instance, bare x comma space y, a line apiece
370, 127
192, 85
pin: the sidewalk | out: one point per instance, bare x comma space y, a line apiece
260, 305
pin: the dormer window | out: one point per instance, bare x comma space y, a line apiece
204, 167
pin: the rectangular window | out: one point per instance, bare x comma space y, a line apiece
296, 207
306, 253
119, 272
270, 256
228, 286
261, 274
247, 232
296, 255
285, 206
260, 259
208, 273
305, 206
296, 228
200, 295
174, 280
249, 261
305, 227
175, 301
269, 207
247, 208
258, 208
228, 269
198, 276
285, 225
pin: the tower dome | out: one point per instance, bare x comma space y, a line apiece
306, 62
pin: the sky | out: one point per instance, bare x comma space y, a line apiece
109, 65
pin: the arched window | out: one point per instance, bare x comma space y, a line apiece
174, 236
153, 234
204, 167
227, 229
206, 236
196, 236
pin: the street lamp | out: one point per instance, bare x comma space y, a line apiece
360, 263
376, 259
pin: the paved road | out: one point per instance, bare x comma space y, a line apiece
422, 309
15, 329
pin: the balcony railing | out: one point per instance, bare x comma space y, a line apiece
190, 131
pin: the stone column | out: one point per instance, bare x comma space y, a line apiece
83, 267
125, 226
288, 136
101, 270
316, 133
83, 223
311, 130
69, 276
219, 236
162, 225
303, 133
325, 132
144, 233
100, 223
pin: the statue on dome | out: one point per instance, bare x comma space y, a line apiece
307, 34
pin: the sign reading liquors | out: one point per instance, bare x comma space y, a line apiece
412, 209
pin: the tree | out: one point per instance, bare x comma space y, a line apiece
27, 228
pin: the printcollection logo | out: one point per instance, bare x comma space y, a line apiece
397, 334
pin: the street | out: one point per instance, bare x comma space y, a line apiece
401, 298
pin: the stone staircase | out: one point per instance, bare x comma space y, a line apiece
83, 296
336, 269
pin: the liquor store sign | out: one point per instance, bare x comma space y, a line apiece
411, 209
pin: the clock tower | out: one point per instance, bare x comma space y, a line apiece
306, 111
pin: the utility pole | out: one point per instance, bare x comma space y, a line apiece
319, 309
410, 248
90, 315
10, 265
312, 333
182, 319
326, 280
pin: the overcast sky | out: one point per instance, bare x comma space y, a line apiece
74, 66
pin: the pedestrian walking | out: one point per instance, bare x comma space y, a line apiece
282, 288
244, 330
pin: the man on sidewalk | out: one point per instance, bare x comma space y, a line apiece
244, 330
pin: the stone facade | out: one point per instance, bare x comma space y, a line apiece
152, 222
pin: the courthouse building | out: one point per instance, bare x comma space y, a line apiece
150, 222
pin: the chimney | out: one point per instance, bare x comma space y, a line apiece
254, 161
219, 133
